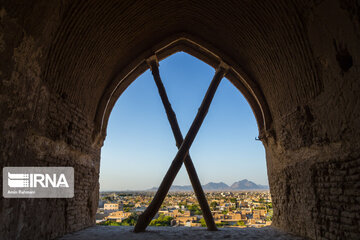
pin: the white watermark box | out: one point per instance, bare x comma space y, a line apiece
38, 182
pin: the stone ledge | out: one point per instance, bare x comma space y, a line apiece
183, 233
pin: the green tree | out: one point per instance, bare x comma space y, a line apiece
269, 216
202, 222
213, 205
109, 223
107, 198
129, 205
162, 220
130, 221
222, 224
195, 209
240, 223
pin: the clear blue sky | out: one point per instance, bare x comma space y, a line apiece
139, 146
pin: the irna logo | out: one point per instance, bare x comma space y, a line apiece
38, 182
21, 180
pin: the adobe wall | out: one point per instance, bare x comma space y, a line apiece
41, 128
58, 59
313, 157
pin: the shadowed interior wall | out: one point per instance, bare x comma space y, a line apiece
59, 60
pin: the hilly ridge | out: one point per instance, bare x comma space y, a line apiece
221, 186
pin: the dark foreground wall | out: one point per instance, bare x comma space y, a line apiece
59, 61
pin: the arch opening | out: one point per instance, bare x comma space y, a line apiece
200, 149
197, 48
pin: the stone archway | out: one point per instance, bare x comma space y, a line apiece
295, 62
193, 46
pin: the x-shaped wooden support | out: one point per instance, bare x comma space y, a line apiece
183, 153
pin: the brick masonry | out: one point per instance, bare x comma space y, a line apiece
57, 60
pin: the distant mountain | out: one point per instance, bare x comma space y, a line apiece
215, 186
211, 186
246, 185
178, 188
175, 188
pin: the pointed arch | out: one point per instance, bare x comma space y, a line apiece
197, 48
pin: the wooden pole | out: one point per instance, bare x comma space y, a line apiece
200, 195
146, 217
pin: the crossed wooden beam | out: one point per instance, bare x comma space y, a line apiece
183, 152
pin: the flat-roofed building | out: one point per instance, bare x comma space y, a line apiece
111, 207
118, 216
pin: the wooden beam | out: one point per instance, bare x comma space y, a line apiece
146, 217
194, 179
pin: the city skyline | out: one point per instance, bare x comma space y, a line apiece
229, 209
139, 146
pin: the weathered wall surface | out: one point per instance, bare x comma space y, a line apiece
40, 128
58, 59
314, 159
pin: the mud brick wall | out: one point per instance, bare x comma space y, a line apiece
63, 64
61, 138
